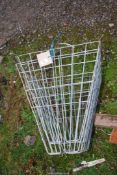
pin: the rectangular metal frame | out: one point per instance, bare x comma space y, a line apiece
63, 95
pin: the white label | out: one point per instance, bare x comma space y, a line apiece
44, 59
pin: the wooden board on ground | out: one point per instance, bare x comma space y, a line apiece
106, 120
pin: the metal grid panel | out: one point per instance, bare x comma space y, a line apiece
63, 95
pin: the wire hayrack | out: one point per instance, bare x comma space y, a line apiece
63, 95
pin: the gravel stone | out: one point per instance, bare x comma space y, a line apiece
111, 25
29, 140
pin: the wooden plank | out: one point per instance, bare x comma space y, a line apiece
106, 120
85, 164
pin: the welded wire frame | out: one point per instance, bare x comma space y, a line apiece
63, 95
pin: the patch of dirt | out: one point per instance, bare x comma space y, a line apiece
12, 103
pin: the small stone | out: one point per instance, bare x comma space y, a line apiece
20, 42
29, 140
65, 24
28, 171
1, 59
14, 82
50, 36
111, 25
11, 53
39, 35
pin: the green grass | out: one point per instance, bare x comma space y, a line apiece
15, 156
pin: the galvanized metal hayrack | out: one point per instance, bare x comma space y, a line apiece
63, 94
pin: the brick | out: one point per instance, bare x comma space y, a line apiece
113, 137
